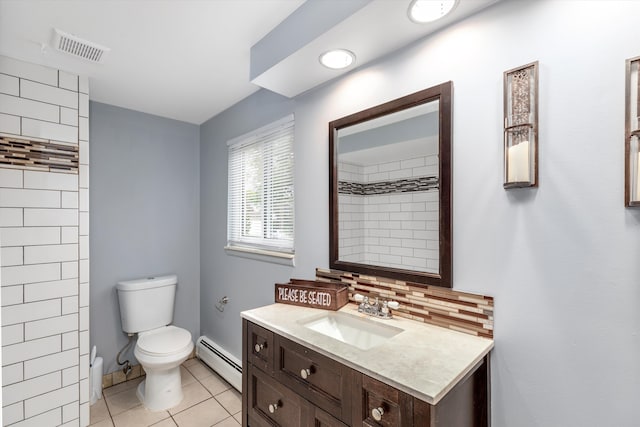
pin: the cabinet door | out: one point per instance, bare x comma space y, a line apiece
379, 404
271, 404
324, 382
259, 342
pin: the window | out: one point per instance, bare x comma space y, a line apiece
261, 198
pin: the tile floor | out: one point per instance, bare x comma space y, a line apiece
208, 401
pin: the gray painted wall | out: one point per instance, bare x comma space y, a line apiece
145, 216
223, 274
561, 260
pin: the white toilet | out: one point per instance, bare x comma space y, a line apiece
146, 308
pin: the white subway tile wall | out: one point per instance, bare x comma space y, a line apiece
83, 290
10, 124
44, 252
395, 229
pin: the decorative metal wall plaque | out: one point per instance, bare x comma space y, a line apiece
521, 126
632, 134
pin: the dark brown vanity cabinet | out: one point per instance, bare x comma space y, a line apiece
259, 347
381, 404
287, 384
319, 379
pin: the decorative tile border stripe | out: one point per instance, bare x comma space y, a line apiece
38, 155
459, 311
424, 183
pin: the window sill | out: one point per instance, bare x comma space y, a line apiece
261, 255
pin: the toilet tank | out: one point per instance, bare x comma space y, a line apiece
146, 304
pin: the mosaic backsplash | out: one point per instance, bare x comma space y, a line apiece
459, 311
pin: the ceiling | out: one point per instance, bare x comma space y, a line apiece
191, 59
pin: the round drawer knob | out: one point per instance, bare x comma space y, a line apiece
306, 373
259, 347
274, 407
377, 413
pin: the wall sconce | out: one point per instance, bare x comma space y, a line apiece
632, 135
521, 126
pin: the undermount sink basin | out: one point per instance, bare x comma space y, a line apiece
358, 332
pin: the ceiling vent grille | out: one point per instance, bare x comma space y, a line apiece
72, 45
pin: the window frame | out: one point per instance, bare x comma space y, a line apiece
265, 248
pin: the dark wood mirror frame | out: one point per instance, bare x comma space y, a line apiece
443, 93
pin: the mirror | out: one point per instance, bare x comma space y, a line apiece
390, 189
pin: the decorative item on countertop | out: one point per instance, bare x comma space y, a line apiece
314, 294
632, 134
521, 126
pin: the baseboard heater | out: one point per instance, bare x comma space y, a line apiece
227, 366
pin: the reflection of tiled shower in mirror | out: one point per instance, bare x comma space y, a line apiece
388, 174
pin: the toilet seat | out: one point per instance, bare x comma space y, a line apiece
164, 341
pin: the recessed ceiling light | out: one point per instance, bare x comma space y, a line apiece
421, 11
337, 59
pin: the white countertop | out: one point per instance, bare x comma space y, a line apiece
423, 360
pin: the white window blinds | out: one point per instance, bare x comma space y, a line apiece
261, 198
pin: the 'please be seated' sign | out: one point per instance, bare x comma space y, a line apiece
329, 296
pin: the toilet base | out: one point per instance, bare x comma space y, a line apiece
161, 390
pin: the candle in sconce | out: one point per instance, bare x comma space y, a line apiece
518, 162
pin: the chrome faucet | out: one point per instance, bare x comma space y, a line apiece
378, 308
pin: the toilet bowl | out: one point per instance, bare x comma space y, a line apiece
146, 308
161, 352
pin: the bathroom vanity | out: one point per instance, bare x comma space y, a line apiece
310, 367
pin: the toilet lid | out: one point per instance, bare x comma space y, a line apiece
165, 340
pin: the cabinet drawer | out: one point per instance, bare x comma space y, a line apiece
272, 404
322, 419
317, 378
260, 347
379, 400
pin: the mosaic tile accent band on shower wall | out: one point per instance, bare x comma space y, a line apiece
459, 311
424, 183
38, 155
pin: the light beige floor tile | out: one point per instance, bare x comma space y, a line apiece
204, 414
238, 417
215, 384
110, 391
228, 422
120, 402
186, 376
166, 423
199, 370
191, 362
103, 423
98, 412
193, 393
231, 400
139, 417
